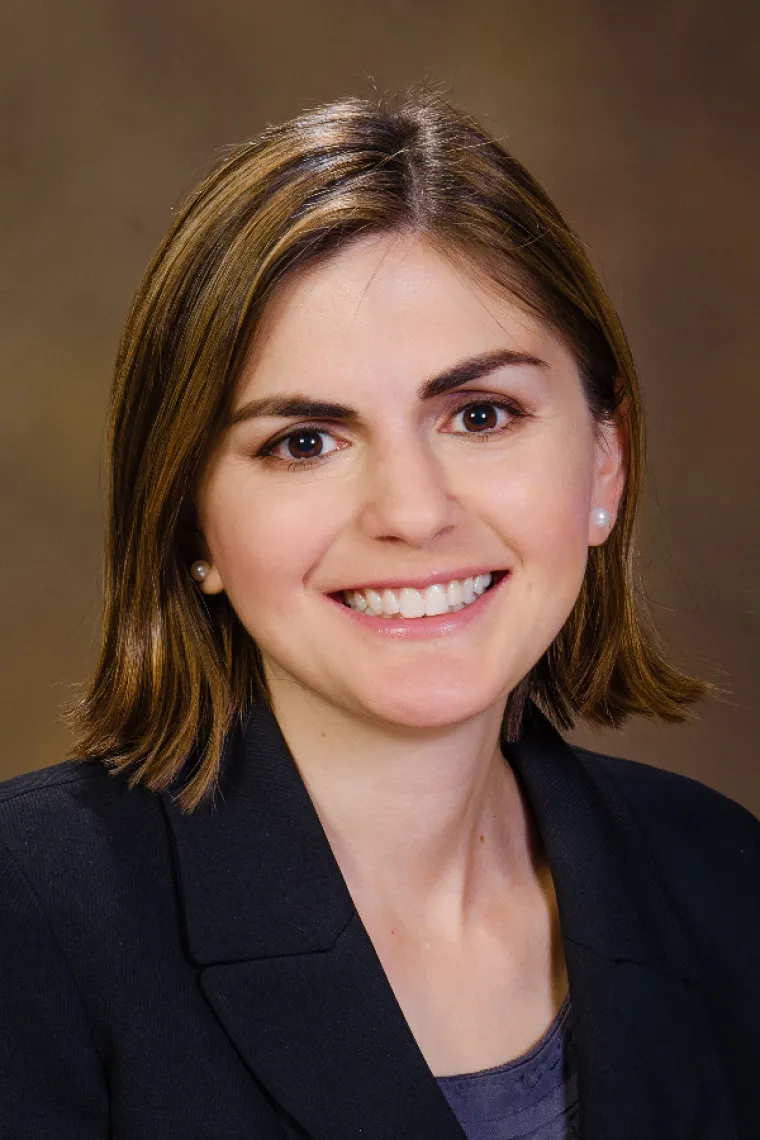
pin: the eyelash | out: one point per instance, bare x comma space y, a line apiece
510, 406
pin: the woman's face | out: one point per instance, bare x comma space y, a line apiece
454, 442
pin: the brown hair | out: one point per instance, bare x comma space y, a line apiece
177, 667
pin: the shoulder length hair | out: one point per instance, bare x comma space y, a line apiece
175, 667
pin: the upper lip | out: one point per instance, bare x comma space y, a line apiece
437, 578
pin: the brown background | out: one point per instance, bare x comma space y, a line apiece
640, 119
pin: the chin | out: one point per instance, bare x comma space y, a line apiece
425, 710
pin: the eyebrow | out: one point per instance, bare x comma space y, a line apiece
304, 407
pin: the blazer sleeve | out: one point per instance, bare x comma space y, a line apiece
52, 1082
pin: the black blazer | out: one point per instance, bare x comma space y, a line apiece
206, 977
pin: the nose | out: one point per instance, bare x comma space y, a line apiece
406, 496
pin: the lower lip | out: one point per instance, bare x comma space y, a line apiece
439, 626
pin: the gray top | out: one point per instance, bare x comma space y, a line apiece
533, 1097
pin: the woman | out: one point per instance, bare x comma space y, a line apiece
321, 864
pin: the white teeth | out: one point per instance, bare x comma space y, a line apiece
454, 594
390, 602
375, 601
411, 603
436, 601
441, 598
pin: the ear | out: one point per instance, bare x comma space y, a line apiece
608, 484
193, 546
212, 583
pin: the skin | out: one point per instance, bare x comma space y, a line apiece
398, 740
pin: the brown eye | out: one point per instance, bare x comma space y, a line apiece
299, 448
305, 444
488, 419
477, 417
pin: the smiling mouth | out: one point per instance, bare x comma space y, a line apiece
409, 603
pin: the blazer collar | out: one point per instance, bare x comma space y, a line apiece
290, 971
255, 863
258, 876
608, 891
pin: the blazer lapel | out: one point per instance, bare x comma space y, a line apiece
286, 963
647, 1069
290, 971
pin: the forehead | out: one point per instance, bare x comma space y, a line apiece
384, 307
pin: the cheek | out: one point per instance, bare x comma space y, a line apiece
266, 545
541, 506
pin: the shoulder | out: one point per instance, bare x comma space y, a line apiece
75, 827
34, 782
665, 800
705, 845
42, 805
70, 792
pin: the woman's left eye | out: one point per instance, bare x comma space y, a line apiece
481, 417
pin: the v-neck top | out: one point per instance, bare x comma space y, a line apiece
532, 1097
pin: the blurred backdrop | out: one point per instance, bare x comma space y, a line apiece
641, 120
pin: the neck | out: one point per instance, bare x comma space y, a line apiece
425, 824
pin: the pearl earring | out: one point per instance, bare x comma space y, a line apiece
600, 516
199, 570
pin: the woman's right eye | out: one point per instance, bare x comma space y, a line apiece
300, 447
